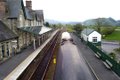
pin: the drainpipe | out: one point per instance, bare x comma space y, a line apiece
39, 41
18, 47
0, 51
42, 38
34, 44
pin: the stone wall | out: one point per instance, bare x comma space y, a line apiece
7, 49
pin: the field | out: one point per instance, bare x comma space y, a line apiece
114, 36
117, 29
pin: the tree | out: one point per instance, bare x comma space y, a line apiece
107, 30
47, 24
98, 24
112, 55
69, 27
78, 28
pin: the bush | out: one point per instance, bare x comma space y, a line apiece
107, 30
103, 36
78, 28
117, 49
112, 55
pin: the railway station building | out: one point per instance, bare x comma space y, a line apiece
92, 36
23, 23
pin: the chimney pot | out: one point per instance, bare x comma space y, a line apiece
2, 8
29, 4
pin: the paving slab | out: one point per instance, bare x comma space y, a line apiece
9, 65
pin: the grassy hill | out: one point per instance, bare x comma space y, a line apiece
114, 36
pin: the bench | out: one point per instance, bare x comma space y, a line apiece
107, 64
98, 55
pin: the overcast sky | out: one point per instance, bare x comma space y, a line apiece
78, 10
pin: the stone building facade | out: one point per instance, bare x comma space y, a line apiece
23, 22
7, 46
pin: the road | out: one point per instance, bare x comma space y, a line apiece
71, 65
109, 47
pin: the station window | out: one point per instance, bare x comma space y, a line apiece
94, 39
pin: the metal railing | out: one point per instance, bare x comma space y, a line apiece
110, 61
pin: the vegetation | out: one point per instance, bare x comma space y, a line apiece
105, 31
117, 49
98, 25
108, 32
117, 29
69, 28
114, 36
78, 28
112, 55
102, 27
47, 24
53, 25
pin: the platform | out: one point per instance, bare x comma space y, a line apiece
23, 65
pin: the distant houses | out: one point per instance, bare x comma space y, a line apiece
20, 26
91, 35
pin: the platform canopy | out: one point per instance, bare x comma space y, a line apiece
37, 30
44, 29
32, 29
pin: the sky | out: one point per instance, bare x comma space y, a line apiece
78, 10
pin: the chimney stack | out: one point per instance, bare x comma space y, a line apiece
2, 8
29, 4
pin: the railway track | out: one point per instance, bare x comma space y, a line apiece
38, 67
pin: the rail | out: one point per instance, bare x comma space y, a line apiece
37, 69
38, 65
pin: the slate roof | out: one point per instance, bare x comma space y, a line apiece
39, 15
33, 14
34, 30
14, 7
28, 14
6, 33
37, 30
87, 31
44, 30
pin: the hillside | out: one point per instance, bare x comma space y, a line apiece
91, 22
59, 22
103, 21
53, 21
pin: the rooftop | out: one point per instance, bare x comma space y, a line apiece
6, 33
